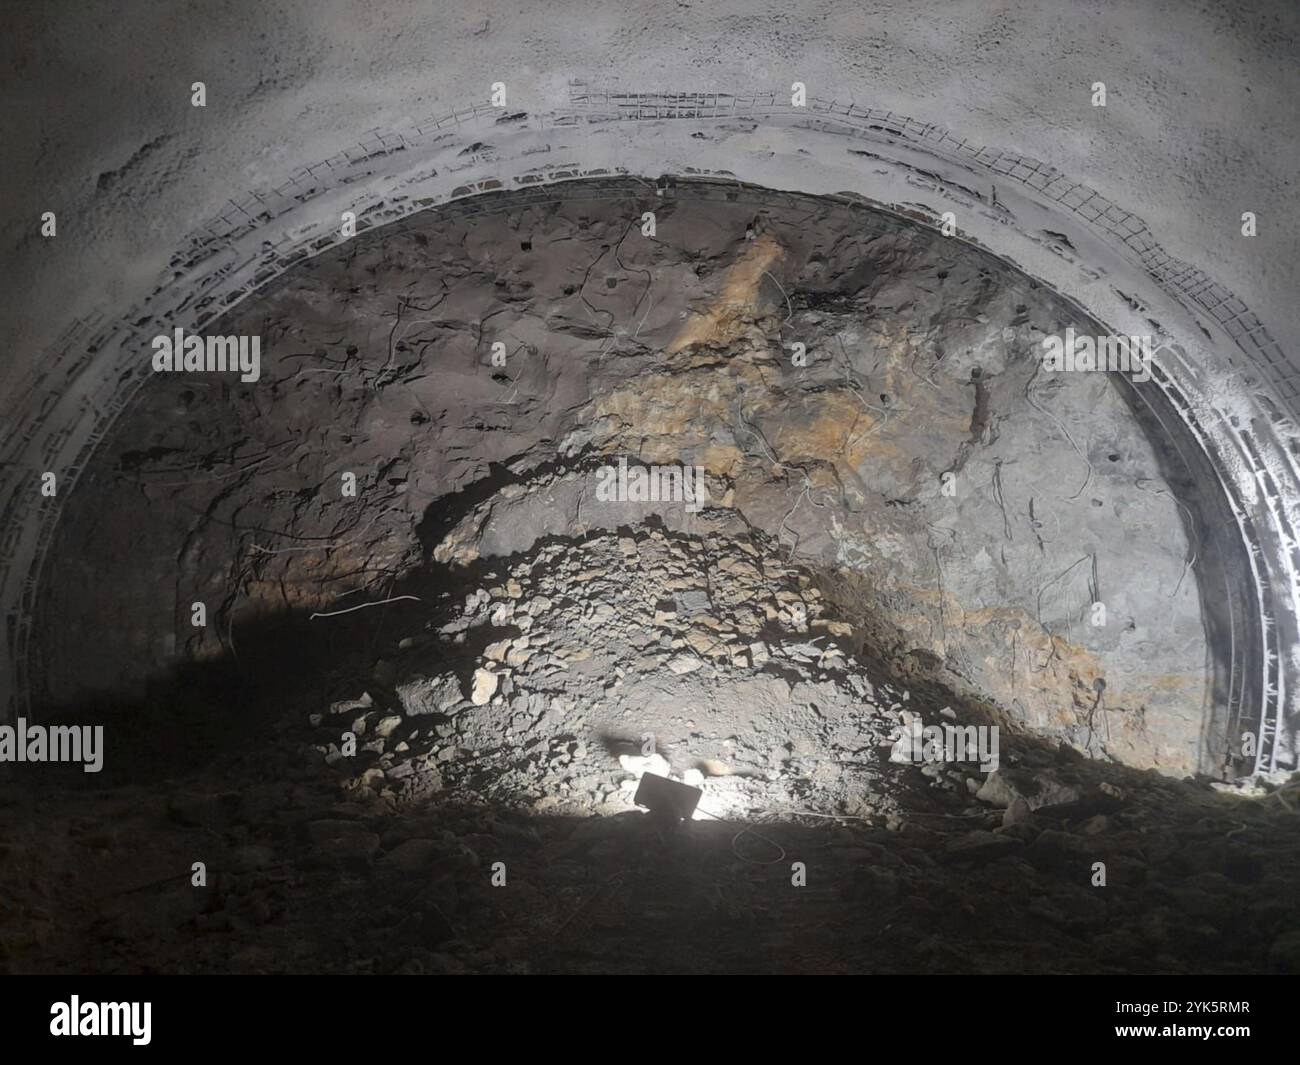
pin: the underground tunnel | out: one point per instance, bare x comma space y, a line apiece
646, 533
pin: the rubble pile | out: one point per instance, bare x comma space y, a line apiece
561, 677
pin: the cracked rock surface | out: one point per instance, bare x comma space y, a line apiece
969, 509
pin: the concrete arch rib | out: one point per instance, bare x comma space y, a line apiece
1219, 370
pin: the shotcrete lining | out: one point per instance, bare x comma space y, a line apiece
234, 277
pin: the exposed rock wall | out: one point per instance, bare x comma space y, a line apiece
984, 505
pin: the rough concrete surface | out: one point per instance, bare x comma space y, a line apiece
131, 167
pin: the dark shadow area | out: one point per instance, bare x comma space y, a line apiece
299, 882
285, 666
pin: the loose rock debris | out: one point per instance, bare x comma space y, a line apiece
714, 655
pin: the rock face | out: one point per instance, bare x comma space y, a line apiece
863, 391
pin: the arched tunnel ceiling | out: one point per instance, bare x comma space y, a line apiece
1126, 238
1186, 145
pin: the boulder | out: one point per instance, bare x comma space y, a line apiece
429, 695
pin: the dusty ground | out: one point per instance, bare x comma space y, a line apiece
308, 872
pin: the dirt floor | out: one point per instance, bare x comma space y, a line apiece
304, 879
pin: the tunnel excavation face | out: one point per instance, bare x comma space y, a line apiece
735, 479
